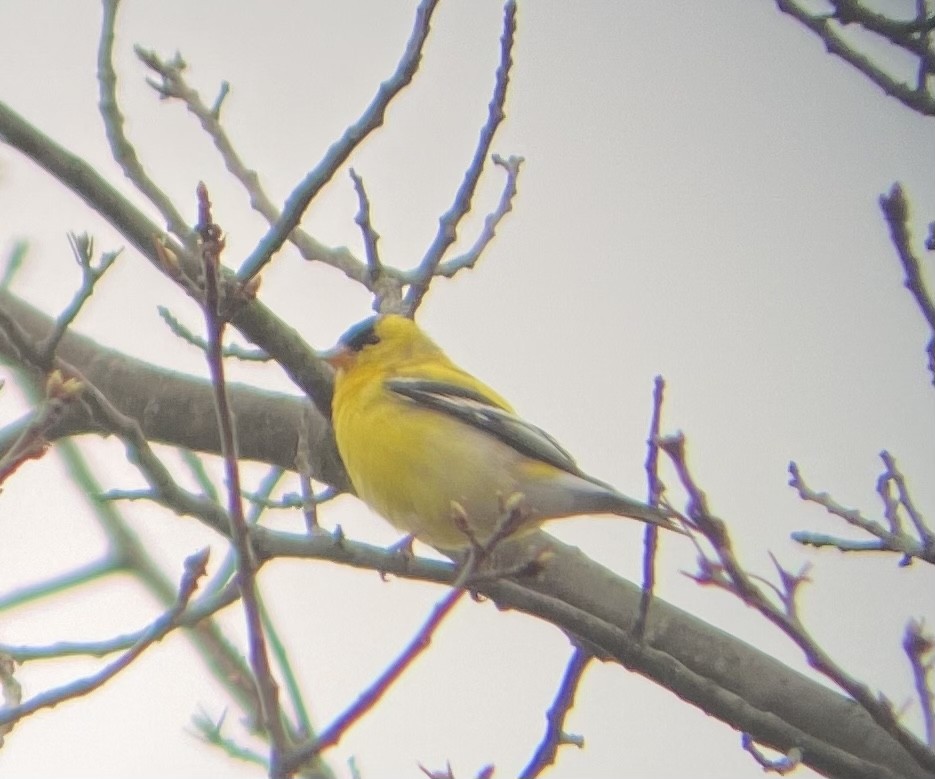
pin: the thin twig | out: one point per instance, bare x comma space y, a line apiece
303, 464
212, 244
830, 31
341, 149
230, 350
120, 146
368, 699
173, 85
294, 500
555, 735
53, 585
222, 660
726, 572
82, 247
278, 650
364, 222
14, 262
168, 621
654, 493
889, 540
199, 472
193, 615
448, 268
894, 475
449, 221
228, 566
896, 212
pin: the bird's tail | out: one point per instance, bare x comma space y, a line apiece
572, 495
627, 507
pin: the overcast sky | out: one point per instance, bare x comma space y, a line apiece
699, 200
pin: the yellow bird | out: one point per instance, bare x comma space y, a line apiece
424, 441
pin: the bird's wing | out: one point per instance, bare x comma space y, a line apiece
473, 408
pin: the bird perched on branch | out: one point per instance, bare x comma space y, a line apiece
432, 449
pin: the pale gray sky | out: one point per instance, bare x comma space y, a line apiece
699, 200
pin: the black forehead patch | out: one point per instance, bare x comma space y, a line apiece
361, 334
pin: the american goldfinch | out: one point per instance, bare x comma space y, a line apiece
424, 441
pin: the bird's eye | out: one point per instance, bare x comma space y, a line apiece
361, 335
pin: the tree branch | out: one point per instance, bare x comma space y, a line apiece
341, 149
911, 36
753, 693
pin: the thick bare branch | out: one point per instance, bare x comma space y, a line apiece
173, 408
252, 318
679, 651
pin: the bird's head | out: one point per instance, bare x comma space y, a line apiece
388, 340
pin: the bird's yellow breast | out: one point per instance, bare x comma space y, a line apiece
409, 463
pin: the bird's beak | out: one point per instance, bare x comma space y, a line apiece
338, 357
